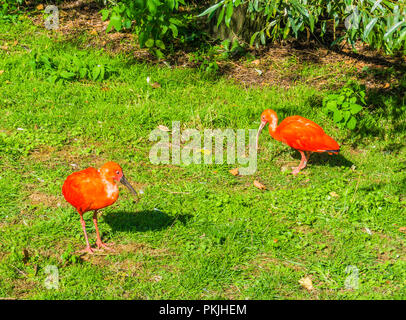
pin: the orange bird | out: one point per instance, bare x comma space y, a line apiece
298, 133
93, 189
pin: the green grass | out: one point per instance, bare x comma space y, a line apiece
198, 231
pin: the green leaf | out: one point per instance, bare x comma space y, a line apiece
253, 38
392, 30
174, 30
402, 36
221, 15
355, 108
149, 43
171, 4
152, 6
66, 74
83, 73
102, 71
211, 9
331, 105
376, 5
262, 36
369, 27
352, 123
159, 54
115, 21
95, 72
160, 44
337, 116
346, 115
311, 21
105, 14
229, 13
127, 24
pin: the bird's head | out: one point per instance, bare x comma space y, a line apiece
112, 170
268, 116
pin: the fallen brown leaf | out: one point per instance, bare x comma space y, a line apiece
234, 172
40, 7
402, 229
155, 85
163, 128
25, 255
306, 283
387, 85
1, 72
259, 185
333, 194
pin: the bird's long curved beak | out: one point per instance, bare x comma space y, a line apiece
125, 182
261, 126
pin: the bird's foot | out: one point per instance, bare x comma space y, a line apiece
295, 170
88, 250
101, 245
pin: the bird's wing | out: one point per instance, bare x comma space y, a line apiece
300, 121
306, 136
82, 189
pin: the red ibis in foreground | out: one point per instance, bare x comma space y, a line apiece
299, 133
94, 189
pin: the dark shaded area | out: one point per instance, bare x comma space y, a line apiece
143, 220
323, 159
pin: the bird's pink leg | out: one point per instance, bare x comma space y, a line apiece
307, 154
88, 249
303, 162
99, 243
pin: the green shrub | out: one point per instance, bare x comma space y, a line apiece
345, 106
379, 23
156, 22
68, 68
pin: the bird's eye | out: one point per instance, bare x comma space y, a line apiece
117, 172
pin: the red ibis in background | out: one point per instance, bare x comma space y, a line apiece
298, 133
94, 189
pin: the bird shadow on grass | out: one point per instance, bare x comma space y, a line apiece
323, 159
142, 221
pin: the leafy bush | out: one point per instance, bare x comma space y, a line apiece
380, 23
346, 105
155, 21
9, 10
69, 68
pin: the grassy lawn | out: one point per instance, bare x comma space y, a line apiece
198, 232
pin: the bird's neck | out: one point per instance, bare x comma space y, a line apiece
273, 124
111, 189
110, 185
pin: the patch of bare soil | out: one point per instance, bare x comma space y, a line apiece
100, 257
68, 155
50, 201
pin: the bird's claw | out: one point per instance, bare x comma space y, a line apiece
101, 245
295, 171
88, 250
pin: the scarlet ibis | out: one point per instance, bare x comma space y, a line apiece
93, 189
299, 133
